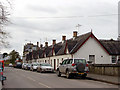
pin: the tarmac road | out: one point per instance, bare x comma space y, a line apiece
18, 78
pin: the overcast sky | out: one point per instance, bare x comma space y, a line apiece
41, 20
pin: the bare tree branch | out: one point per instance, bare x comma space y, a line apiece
3, 21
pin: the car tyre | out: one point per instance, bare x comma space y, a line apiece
40, 70
68, 74
58, 73
37, 70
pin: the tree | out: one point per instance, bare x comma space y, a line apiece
5, 55
3, 21
13, 56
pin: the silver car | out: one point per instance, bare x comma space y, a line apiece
33, 67
45, 67
24, 65
73, 67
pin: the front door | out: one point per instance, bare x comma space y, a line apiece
54, 64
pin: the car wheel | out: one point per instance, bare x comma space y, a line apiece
40, 70
68, 75
37, 70
58, 73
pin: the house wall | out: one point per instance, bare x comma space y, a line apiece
57, 59
92, 47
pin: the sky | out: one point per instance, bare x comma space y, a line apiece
44, 20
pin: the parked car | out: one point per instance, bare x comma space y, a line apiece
45, 67
10, 65
18, 65
28, 66
24, 65
33, 67
73, 67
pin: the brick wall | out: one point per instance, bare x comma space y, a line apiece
105, 69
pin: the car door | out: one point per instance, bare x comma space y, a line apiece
61, 67
65, 66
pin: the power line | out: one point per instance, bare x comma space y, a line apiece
62, 17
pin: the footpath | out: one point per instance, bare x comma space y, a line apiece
104, 78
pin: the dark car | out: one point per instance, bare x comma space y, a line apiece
73, 67
18, 65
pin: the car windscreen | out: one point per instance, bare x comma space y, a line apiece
29, 64
34, 64
45, 64
19, 63
80, 61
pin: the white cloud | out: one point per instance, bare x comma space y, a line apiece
28, 24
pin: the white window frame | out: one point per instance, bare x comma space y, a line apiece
93, 61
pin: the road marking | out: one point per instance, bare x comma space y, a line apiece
39, 82
31, 79
44, 85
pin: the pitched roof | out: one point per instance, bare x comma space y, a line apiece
47, 50
55, 49
40, 52
35, 54
112, 46
80, 41
73, 44
61, 51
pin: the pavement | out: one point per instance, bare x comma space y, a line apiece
18, 78
0, 85
104, 78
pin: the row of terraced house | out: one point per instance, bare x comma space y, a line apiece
79, 46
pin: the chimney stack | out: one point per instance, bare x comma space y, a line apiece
41, 45
54, 41
63, 38
46, 44
37, 44
75, 34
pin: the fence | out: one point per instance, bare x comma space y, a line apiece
105, 69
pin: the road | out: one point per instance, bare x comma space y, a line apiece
18, 78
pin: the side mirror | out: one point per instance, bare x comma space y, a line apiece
89, 62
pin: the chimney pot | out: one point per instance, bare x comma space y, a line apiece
75, 34
54, 41
63, 38
46, 44
37, 44
41, 45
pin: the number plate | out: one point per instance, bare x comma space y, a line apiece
80, 73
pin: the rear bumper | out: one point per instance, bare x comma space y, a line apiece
44, 70
79, 73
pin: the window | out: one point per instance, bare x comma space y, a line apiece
57, 62
64, 62
92, 58
45, 61
70, 61
80, 61
114, 59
